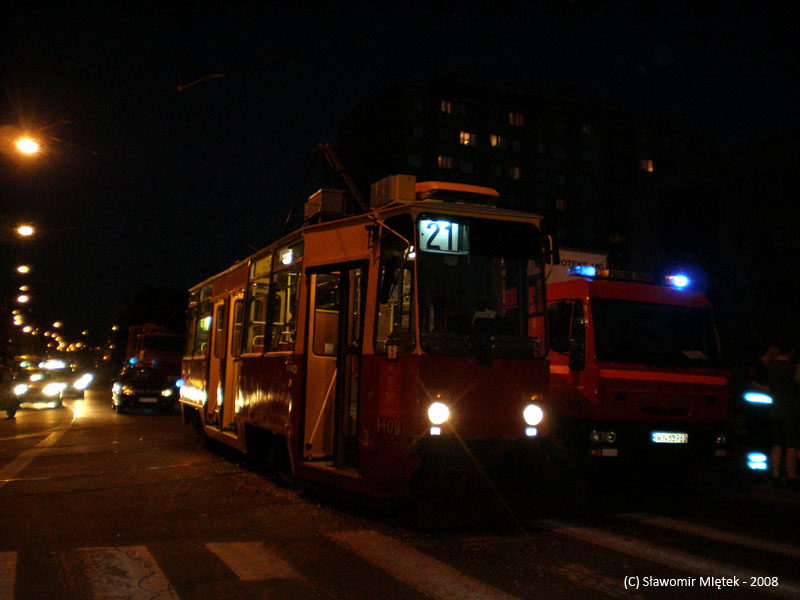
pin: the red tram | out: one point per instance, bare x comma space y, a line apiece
361, 346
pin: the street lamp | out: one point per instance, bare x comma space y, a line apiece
27, 145
26, 230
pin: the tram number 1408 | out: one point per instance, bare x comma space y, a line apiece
388, 426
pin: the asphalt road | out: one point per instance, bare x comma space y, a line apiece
99, 505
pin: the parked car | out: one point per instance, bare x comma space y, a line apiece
143, 386
8, 400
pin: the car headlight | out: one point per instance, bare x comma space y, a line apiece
83, 381
167, 392
53, 389
438, 413
533, 414
116, 387
20, 389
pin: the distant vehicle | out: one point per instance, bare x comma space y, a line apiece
50, 382
143, 385
149, 343
8, 401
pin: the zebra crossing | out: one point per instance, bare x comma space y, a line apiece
139, 571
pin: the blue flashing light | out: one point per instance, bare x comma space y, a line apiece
583, 271
531, 431
679, 281
179, 383
133, 360
757, 461
757, 398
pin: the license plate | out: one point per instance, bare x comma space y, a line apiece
151, 400
669, 437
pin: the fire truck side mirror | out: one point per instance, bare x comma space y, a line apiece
577, 356
550, 251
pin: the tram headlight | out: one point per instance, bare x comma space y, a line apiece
438, 413
533, 414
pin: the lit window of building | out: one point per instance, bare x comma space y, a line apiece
447, 107
466, 138
646, 165
517, 119
514, 172
446, 162
497, 141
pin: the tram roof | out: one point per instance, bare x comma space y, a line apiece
461, 209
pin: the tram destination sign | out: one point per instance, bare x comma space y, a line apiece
443, 236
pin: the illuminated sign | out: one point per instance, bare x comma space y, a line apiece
442, 236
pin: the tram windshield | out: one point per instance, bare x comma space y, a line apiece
480, 288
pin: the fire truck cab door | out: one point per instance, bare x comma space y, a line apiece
335, 324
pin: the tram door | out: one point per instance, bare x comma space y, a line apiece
216, 363
232, 367
223, 363
335, 324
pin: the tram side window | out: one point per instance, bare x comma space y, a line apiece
285, 296
256, 315
236, 338
219, 333
191, 327
203, 329
395, 323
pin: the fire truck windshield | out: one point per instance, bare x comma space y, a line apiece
650, 333
480, 303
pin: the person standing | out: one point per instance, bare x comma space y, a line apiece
784, 386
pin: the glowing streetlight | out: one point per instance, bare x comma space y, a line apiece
23, 269
26, 230
27, 145
23, 298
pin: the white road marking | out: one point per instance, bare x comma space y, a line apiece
129, 573
251, 561
427, 575
716, 534
8, 573
669, 557
10, 471
586, 577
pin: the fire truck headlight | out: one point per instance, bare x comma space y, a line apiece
438, 413
533, 414
20, 389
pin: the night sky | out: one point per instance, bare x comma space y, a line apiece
177, 139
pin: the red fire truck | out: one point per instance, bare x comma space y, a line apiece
153, 344
635, 367
363, 350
